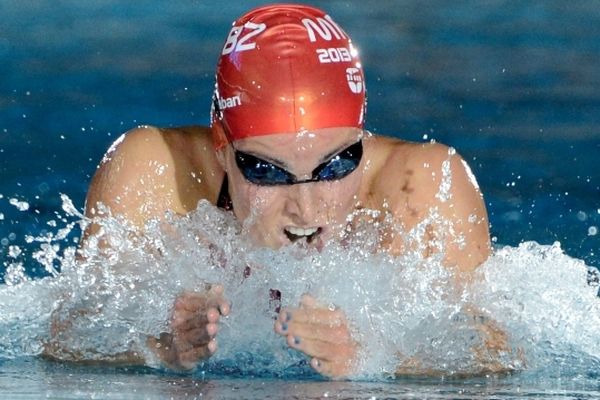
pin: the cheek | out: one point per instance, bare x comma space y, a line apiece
251, 200
341, 196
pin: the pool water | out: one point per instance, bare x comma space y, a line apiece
513, 86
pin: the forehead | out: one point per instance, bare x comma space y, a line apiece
301, 145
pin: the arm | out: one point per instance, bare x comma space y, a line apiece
142, 176
444, 182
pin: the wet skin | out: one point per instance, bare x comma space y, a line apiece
152, 171
194, 326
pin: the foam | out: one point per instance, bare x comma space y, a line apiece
404, 311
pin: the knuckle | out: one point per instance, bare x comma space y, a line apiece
339, 316
347, 354
341, 334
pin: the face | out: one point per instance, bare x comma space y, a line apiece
311, 212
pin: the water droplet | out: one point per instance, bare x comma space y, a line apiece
20, 205
14, 251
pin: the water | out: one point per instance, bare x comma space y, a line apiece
512, 86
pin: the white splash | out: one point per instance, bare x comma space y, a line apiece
404, 311
112, 149
20, 205
470, 174
444, 192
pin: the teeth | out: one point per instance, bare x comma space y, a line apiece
301, 232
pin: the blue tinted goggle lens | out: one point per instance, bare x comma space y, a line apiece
265, 173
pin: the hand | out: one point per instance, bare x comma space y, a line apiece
321, 334
194, 325
495, 354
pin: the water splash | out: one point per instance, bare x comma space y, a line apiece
404, 311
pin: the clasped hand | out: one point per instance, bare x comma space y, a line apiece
322, 334
194, 326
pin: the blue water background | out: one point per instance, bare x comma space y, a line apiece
514, 86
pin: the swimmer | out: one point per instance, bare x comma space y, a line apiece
287, 153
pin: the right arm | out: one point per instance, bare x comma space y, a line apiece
146, 173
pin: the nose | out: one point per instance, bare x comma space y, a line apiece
303, 203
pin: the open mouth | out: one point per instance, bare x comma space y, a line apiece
294, 234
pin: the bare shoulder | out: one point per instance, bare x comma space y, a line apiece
149, 170
414, 172
416, 178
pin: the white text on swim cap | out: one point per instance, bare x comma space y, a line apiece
333, 55
325, 27
229, 102
236, 43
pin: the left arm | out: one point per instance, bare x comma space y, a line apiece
444, 182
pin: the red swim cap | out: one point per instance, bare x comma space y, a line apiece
286, 68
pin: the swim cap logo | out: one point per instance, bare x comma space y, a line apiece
235, 43
325, 27
355, 81
229, 102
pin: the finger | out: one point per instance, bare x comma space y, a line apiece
190, 358
224, 307
220, 305
193, 301
216, 300
324, 351
325, 333
190, 301
330, 369
308, 301
212, 346
178, 354
199, 336
216, 289
313, 316
213, 315
185, 320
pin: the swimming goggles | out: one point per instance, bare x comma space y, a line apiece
264, 173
